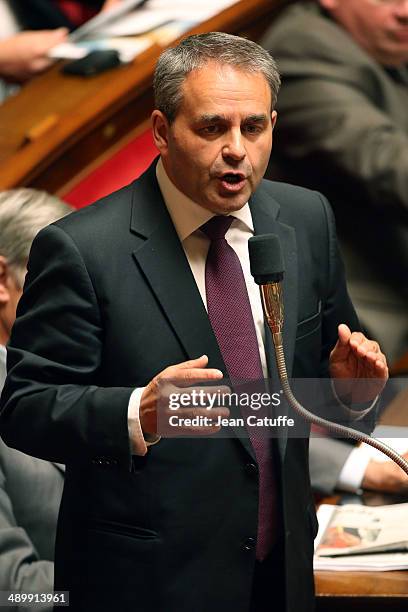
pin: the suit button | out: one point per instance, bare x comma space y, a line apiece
251, 469
249, 544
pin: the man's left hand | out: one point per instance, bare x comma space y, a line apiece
357, 357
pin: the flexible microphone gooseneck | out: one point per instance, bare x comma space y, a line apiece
267, 268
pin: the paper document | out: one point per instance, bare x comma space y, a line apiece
127, 48
136, 22
104, 17
354, 537
155, 14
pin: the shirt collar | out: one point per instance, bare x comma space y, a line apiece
187, 215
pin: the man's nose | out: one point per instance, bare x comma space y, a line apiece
401, 10
233, 147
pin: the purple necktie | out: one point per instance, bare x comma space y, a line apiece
230, 314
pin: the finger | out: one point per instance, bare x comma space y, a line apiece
51, 38
39, 64
58, 34
344, 334
357, 339
382, 368
199, 362
366, 346
194, 376
190, 413
210, 391
373, 358
201, 395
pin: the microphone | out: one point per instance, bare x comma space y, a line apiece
267, 268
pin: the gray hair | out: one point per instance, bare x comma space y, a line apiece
23, 213
194, 52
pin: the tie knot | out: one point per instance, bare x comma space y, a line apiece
217, 227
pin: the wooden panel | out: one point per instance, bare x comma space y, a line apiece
362, 584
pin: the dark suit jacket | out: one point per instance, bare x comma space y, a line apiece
109, 302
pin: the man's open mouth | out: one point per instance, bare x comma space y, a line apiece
232, 178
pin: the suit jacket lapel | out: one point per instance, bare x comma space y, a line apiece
164, 264
265, 213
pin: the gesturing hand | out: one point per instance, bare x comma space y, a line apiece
356, 357
181, 377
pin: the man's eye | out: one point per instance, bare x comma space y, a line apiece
252, 129
210, 129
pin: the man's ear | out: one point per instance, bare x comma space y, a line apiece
160, 128
4, 278
274, 117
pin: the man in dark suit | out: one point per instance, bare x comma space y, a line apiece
181, 524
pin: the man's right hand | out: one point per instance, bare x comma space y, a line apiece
182, 377
385, 476
25, 54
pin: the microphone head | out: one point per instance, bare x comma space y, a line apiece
265, 256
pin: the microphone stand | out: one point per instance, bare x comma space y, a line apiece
271, 295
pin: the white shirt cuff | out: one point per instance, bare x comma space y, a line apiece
138, 442
356, 414
352, 473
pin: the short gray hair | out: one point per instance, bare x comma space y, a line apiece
194, 52
23, 213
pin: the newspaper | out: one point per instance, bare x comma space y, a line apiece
350, 534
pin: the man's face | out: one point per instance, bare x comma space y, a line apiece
379, 26
217, 148
10, 294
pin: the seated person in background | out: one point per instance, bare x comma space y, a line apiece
46, 24
24, 55
343, 121
30, 489
337, 464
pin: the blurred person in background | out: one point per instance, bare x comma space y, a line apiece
30, 489
45, 24
339, 465
343, 121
